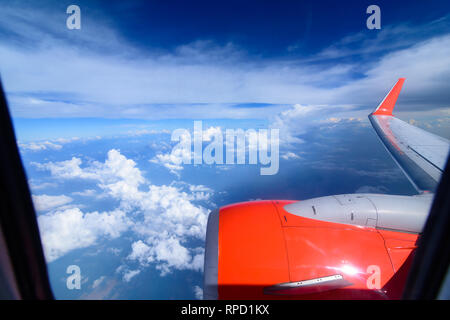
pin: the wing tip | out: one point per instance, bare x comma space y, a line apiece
387, 105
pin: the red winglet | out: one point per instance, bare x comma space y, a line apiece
387, 105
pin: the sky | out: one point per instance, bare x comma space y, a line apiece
219, 60
94, 110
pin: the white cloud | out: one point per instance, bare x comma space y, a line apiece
200, 192
67, 140
163, 217
45, 202
66, 230
299, 119
372, 189
141, 132
170, 254
141, 252
339, 120
34, 185
116, 167
66, 169
198, 293
114, 251
85, 193
97, 282
289, 156
38, 146
172, 161
170, 208
54, 144
199, 188
182, 152
128, 275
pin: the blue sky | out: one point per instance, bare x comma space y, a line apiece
93, 111
262, 28
155, 60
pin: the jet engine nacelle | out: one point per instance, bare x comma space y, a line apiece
356, 246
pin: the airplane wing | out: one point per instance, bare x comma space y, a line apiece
420, 154
325, 248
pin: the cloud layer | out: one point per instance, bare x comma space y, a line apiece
77, 75
163, 218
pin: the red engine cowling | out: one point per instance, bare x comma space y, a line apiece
258, 250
